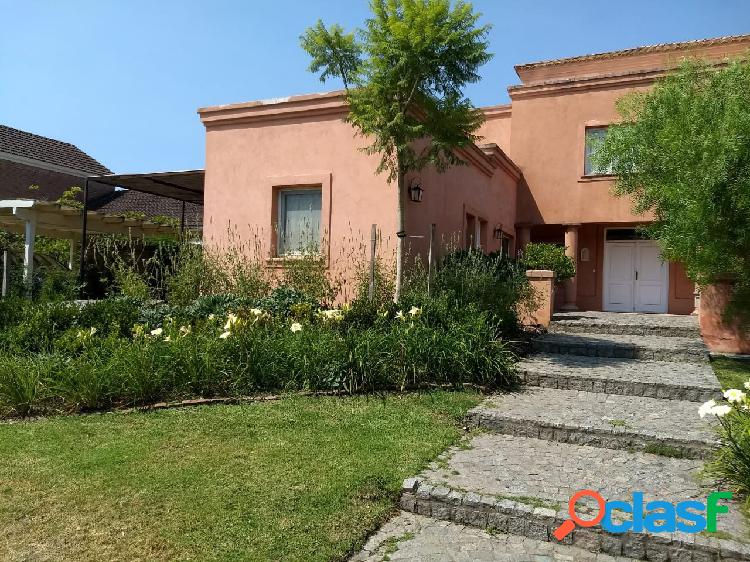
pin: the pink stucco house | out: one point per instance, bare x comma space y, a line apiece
271, 164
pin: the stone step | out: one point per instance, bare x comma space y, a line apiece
600, 420
416, 538
522, 486
612, 375
652, 348
669, 325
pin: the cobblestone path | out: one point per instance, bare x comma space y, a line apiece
610, 403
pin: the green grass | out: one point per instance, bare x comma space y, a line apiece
732, 373
298, 479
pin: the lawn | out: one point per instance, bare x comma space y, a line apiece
297, 479
732, 373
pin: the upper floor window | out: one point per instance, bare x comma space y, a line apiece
594, 139
299, 221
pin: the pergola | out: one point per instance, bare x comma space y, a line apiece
32, 217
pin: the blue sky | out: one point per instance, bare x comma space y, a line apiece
122, 79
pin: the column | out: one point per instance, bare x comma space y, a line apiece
28, 253
524, 237
571, 250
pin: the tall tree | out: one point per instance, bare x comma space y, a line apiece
404, 75
682, 152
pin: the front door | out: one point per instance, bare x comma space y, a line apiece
635, 277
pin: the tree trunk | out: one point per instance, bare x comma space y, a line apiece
401, 233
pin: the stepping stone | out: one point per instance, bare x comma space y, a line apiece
612, 375
600, 420
670, 325
415, 538
520, 485
654, 348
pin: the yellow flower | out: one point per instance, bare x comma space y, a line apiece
415, 311
185, 330
400, 315
168, 338
157, 332
225, 335
256, 311
231, 321
296, 327
92, 331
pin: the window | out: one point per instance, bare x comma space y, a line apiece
594, 138
299, 221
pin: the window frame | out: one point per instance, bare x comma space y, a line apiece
282, 193
586, 158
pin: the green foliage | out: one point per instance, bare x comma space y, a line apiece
732, 463
682, 152
418, 57
307, 274
69, 198
549, 256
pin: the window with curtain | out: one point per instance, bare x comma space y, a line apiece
299, 221
594, 138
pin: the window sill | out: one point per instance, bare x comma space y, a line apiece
597, 177
280, 261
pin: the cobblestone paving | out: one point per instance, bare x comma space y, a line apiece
657, 348
504, 465
416, 538
611, 380
664, 379
615, 421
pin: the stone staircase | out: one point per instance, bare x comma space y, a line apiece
610, 403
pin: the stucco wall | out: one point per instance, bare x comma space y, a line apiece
496, 127
255, 149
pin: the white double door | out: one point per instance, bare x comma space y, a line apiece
635, 277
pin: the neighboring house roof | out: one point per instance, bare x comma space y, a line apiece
124, 201
660, 47
37, 167
43, 149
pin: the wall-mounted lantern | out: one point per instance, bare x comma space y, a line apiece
497, 232
415, 192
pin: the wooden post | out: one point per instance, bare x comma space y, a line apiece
429, 259
373, 243
5, 273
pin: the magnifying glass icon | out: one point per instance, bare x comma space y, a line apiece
568, 525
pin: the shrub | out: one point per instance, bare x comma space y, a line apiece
549, 256
22, 382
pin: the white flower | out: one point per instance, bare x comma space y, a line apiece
706, 408
720, 411
157, 332
296, 327
231, 321
734, 395
211, 316
747, 385
185, 330
331, 314
168, 338
400, 315
415, 311
92, 331
225, 335
256, 311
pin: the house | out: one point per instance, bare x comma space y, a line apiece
37, 167
289, 172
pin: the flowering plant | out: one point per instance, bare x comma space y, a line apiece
732, 462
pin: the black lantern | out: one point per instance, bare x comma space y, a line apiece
497, 233
415, 192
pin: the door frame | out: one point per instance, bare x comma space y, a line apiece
605, 273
